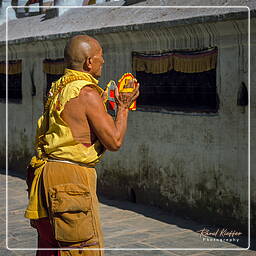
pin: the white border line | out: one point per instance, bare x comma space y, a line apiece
6, 128
134, 249
249, 128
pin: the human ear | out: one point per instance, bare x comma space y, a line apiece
88, 63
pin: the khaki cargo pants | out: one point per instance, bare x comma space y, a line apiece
70, 196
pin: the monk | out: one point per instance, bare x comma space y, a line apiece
72, 135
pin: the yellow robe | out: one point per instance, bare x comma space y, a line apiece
54, 138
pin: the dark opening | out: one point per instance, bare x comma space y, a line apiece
130, 2
50, 79
242, 96
178, 91
132, 196
14, 87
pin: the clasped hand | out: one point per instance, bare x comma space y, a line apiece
125, 99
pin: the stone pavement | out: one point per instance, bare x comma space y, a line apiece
126, 225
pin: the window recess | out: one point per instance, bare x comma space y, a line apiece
14, 71
177, 81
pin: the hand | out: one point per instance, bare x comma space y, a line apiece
125, 99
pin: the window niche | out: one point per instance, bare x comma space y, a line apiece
177, 81
14, 81
54, 69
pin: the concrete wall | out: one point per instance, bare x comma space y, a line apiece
253, 128
22, 118
184, 161
178, 161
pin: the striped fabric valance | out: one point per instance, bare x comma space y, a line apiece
91, 2
14, 67
54, 67
187, 62
88, 2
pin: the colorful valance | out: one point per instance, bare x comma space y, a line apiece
54, 67
14, 67
155, 64
89, 2
187, 62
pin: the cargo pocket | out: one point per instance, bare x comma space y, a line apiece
71, 212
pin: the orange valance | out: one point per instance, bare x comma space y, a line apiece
153, 64
54, 67
14, 67
187, 62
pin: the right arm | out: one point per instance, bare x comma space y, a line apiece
110, 133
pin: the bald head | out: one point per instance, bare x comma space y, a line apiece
78, 50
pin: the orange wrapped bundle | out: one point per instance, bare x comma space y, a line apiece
123, 82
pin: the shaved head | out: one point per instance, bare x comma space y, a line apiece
79, 49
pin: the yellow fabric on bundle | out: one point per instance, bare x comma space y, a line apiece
54, 138
127, 90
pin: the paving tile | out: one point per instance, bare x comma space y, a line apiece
111, 231
25, 235
184, 241
191, 252
123, 240
231, 253
118, 216
125, 225
2, 211
16, 205
15, 225
138, 253
201, 253
136, 245
25, 253
5, 252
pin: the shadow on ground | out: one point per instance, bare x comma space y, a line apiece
167, 217
14, 174
157, 214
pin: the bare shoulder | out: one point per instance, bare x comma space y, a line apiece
88, 91
90, 95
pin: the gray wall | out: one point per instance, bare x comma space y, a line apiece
184, 161
178, 161
253, 127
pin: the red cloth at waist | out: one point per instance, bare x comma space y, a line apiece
45, 237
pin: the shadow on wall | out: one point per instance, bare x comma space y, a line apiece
19, 154
12, 173
17, 162
148, 186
